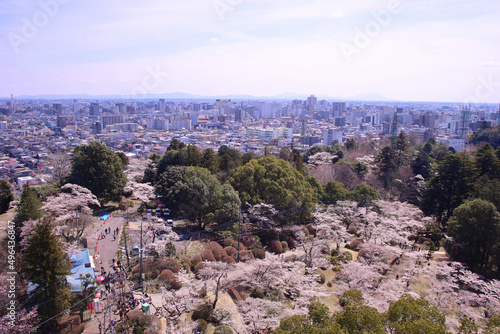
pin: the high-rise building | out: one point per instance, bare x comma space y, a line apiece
109, 120
311, 103
238, 115
161, 105
57, 108
338, 109
61, 122
97, 128
330, 135
94, 109
120, 108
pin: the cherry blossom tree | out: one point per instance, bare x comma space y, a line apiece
72, 210
135, 170
330, 226
215, 277
24, 322
179, 302
261, 315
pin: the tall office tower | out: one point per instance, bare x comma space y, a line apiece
94, 109
97, 128
311, 102
238, 115
120, 108
11, 102
338, 109
196, 106
161, 105
57, 108
61, 122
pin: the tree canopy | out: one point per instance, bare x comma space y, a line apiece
6, 195
47, 266
272, 181
97, 168
475, 226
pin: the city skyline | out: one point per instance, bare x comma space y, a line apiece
405, 51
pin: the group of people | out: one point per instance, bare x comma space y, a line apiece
108, 231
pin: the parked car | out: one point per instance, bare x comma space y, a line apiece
170, 223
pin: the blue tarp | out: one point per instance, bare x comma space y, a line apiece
78, 261
104, 216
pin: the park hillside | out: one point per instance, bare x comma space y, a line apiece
363, 237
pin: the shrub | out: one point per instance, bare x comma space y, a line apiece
195, 259
337, 268
170, 250
228, 242
334, 252
356, 244
246, 255
321, 278
173, 265
228, 259
258, 293
291, 242
167, 276
231, 251
198, 267
329, 284
352, 230
311, 229
276, 247
347, 246
202, 311
284, 246
201, 324
186, 261
345, 257
248, 241
260, 253
207, 255
412, 237
223, 330
216, 250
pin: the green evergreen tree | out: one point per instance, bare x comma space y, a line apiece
414, 316
475, 226
6, 196
29, 208
386, 162
97, 168
333, 192
47, 266
487, 163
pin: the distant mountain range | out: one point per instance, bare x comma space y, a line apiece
188, 96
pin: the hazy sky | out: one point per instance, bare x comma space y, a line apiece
429, 50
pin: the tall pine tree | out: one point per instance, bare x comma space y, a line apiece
47, 266
29, 208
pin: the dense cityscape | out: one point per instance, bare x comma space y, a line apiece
249, 167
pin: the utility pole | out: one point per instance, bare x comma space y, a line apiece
239, 235
140, 261
77, 234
